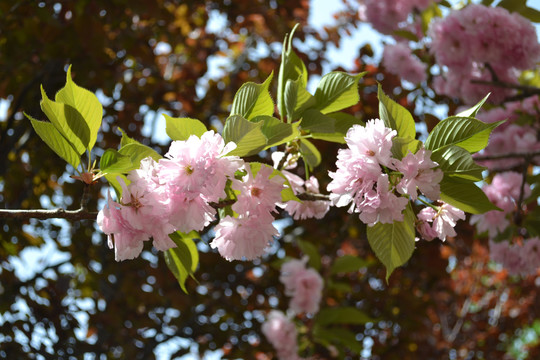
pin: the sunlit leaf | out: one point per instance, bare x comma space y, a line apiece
337, 91
247, 135
253, 100
183, 128
395, 116
86, 104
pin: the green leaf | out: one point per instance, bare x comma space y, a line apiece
428, 14
112, 178
513, 5
312, 252
182, 260
68, 121
137, 151
347, 263
253, 100
393, 243
114, 162
52, 137
471, 112
183, 128
458, 162
297, 99
310, 153
402, 146
314, 121
247, 135
406, 35
342, 123
395, 116
469, 133
291, 68
337, 90
465, 196
275, 131
126, 139
341, 316
337, 336
530, 13
86, 104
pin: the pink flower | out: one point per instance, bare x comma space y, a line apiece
126, 240
281, 333
399, 60
245, 237
199, 166
373, 141
381, 205
304, 285
259, 193
418, 171
425, 217
444, 220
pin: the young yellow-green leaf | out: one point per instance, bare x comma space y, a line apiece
347, 263
530, 13
137, 151
112, 179
310, 153
126, 139
471, 112
428, 14
297, 99
182, 260
395, 116
468, 133
114, 162
458, 162
337, 90
341, 316
402, 146
247, 135
253, 100
68, 121
52, 137
275, 131
183, 128
393, 243
312, 252
465, 196
87, 105
513, 5
291, 68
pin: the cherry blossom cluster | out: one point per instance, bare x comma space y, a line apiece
503, 192
511, 137
387, 16
468, 39
399, 60
248, 235
173, 194
368, 177
517, 259
438, 222
303, 285
281, 333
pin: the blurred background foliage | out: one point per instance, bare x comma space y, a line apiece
62, 295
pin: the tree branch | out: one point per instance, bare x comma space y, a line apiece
507, 156
79, 214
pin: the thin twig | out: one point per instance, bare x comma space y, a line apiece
312, 196
79, 214
507, 156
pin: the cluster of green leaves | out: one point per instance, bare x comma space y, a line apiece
452, 143
75, 118
253, 127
